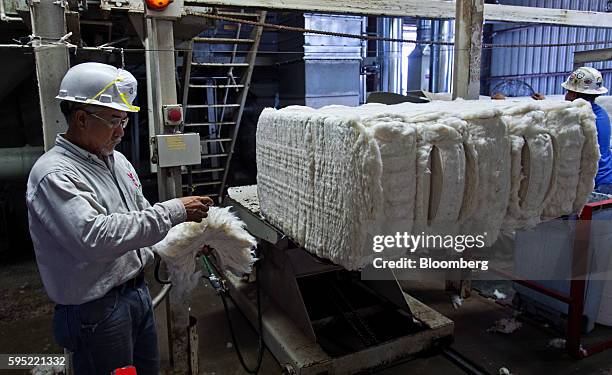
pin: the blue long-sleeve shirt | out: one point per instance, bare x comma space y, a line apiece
604, 172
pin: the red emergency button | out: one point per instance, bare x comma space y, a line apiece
130, 370
157, 4
174, 114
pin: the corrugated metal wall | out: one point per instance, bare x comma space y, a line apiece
545, 68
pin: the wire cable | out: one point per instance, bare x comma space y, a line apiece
378, 38
35, 41
223, 293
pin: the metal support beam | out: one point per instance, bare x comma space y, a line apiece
468, 48
583, 57
425, 9
564, 17
161, 90
398, 8
52, 62
161, 81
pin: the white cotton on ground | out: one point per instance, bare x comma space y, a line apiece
333, 176
505, 325
222, 231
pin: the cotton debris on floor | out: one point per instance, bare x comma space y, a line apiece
560, 343
506, 325
333, 176
499, 295
222, 231
557, 343
457, 301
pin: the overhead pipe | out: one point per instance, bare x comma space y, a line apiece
445, 63
390, 54
434, 57
16, 163
395, 63
441, 57
383, 49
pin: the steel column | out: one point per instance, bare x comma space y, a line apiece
468, 46
161, 90
52, 62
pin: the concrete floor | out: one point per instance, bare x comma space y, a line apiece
523, 352
25, 327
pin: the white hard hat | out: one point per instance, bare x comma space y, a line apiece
585, 80
99, 84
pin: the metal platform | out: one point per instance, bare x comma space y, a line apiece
319, 318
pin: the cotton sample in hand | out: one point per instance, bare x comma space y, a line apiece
221, 230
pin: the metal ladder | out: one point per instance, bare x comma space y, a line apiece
216, 82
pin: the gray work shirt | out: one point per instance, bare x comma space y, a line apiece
87, 221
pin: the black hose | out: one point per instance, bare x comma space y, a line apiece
260, 348
223, 294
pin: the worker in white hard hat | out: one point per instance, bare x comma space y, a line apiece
587, 83
91, 227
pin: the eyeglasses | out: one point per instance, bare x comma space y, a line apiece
114, 123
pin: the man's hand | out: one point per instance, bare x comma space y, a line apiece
196, 207
538, 96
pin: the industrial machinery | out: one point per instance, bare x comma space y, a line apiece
324, 319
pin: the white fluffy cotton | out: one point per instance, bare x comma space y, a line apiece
571, 127
319, 175
330, 177
222, 231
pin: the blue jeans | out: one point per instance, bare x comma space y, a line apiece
114, 331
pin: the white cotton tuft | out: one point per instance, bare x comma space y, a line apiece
223, 231
557, 343
499, 295
457, 301
228, 236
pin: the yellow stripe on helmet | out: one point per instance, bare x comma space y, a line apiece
121, 95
